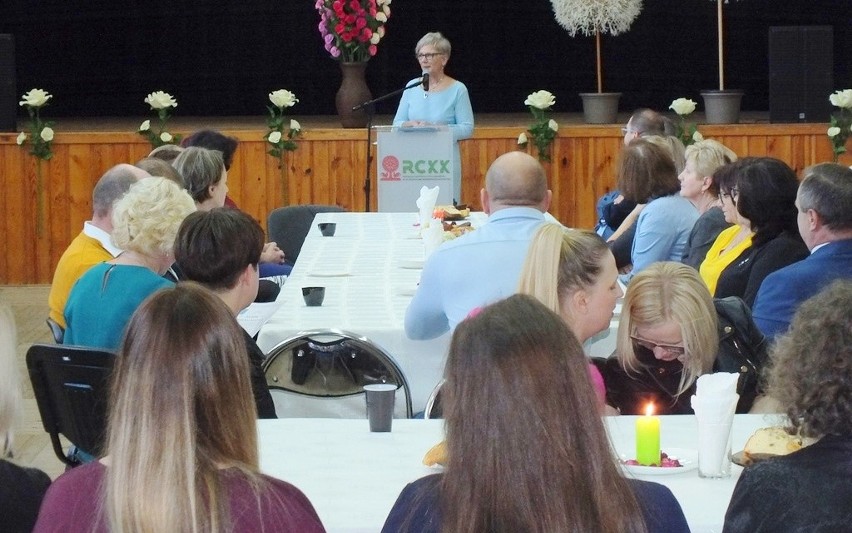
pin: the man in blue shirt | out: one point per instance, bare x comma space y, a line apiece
824, 202
482, 266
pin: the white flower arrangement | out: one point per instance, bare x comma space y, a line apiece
543, 130
40, 137
282, 133
687, 132
595, 18
160, 102
840, 128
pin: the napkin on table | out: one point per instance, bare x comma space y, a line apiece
715, 399
426, 204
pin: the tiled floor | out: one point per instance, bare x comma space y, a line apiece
32, 445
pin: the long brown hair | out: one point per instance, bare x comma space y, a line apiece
527, 450
181, 409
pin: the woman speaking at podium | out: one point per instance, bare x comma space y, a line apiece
441, 101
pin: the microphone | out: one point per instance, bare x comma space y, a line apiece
425, 81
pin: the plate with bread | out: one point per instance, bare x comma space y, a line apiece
767, 443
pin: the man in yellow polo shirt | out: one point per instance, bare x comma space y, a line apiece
93, 245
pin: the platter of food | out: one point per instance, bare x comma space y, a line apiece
672, 461
451, 212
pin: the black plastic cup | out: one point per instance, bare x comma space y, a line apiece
327, 228
313, 296
380, 402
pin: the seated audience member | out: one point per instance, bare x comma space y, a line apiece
145, 223
824, 203
21, 489
670, 332
93, 245
642, 123
573, 273
762, 193
482, 266
699, 187
731, 242
621, 241
647, 175
158, 167
220, 249
205, 176
213, 140
513, 372
811, 377
181, 445
166, 152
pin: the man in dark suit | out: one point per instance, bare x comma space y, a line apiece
825, 223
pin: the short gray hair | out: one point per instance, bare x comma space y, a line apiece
200, 169
827, 189
435, 39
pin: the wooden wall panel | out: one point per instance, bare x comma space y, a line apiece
328, 168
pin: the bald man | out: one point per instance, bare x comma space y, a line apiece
93, 245
482, 266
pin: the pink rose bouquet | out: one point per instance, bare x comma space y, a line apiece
351, 29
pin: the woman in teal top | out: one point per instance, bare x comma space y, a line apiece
445, 103
145, 222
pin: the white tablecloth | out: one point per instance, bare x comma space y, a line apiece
353, 477
367, 291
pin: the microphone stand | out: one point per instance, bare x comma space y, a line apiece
370, 108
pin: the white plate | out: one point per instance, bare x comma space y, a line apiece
687, 457
411, 263
329, 274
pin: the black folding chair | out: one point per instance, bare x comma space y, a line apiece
71, 386
322, 373
288, 226
56, 330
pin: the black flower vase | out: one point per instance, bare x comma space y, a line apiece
353, 91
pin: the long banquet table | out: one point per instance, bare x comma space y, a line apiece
370, 271
353, 477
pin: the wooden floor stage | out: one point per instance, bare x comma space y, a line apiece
44, 206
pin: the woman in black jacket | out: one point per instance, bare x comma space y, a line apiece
673, 331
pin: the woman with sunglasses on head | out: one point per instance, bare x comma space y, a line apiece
758, 195
525, 451
672, 331
444, 101
181, 442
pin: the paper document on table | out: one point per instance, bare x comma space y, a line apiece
256, 315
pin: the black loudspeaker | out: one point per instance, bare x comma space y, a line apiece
8, 98
801, 73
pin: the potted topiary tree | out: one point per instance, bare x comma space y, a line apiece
596, 17
721, 106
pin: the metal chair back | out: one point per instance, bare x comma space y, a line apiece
321, 374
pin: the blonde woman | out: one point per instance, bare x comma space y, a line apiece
145, 223
573, 273
181, 440
21, 489
698, 185
672, 331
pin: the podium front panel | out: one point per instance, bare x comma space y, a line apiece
410, 158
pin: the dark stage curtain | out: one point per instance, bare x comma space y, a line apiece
100, 58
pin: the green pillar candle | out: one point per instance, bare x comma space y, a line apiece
648, 438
